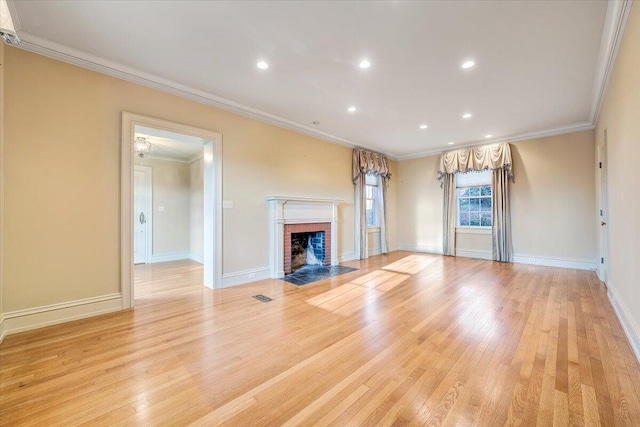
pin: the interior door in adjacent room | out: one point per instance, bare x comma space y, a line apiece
141, 214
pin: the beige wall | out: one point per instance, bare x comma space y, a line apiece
171, 182
419, 199
62, 144
620, 116
196, 214
552, 201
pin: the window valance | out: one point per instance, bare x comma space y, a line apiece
368, 162
495, 156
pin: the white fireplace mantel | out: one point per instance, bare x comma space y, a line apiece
298, 210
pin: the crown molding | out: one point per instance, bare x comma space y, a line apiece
560, 130
41, 46
614, 25
613, 30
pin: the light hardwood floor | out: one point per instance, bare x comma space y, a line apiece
409, 339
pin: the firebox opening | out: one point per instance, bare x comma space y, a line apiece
307, 249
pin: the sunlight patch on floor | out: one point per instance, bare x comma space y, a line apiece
363, 292
411, 264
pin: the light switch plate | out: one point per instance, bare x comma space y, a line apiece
227, 204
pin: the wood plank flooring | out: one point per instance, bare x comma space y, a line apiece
409, 339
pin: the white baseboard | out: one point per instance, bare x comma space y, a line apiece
176, 256
347, 256
378, 251
196, 257
576, 264
430, 249
246, 276
468, 253
32, 318
375, 251
630, 327
2, 330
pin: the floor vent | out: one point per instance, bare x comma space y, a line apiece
262, 298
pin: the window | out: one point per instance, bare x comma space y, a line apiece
473, 190
372, 189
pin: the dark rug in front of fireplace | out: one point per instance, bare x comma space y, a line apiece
313, 273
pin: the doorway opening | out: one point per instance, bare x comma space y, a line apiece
171, 201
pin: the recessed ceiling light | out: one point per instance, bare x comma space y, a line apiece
466, 116
262, 65
468, 64
351, 109
450, 143
488, 136
365, 64
423, 126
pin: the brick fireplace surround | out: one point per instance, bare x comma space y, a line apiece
298, 215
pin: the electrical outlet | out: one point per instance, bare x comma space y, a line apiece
532, 260
252, 275
227, 204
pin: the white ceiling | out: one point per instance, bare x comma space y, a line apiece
537, 62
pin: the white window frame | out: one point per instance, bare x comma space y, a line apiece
473, 229
374, 199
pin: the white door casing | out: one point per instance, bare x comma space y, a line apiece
603, 262
142, 214
129, 122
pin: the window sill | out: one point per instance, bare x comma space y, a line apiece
373, 229
473, 230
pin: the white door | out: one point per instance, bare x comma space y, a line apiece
140, 215
603, 262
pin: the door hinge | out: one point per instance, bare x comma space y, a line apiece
600, 165
600, 212
601, 260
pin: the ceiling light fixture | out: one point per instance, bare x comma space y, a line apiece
468, 64
450, 143
141, 147
262, 65
365, 64
351, 109
423, 126
466, 116
488, 136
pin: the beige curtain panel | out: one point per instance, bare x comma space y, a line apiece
449, 219
362, 235
501, 228
495, 156
367, 162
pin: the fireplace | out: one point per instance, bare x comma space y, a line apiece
306, 244
315, 219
